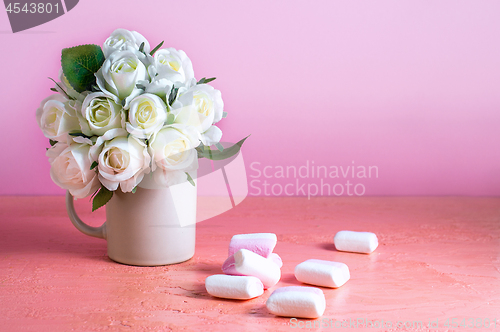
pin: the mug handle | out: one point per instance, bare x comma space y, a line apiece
99, 232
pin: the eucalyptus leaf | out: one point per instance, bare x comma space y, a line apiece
67, 96
80, 63
173, 95
94, 165
190, 179
79, 134
102, 197
205, 80
220, 155
156, 48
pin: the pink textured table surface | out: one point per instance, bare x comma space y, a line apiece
438, 259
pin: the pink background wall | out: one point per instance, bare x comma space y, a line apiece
412, 87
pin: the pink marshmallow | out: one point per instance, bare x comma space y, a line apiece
228, 265
260, 243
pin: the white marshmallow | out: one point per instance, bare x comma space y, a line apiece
234, 287
360, 242
260, 243
249, 263
322, 273
276, 259
297, 301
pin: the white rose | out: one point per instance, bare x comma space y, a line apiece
56, 118
99, 114
172, 65
211, 136
173, 147
200, 106
122, 161
160, 87
119, 75
122, 39
166, 178
173, 153
147, 114
70, 169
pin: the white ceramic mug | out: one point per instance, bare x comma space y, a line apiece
147, 228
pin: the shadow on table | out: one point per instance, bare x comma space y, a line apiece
327, 246
289, 280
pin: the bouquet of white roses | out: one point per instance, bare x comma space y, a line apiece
123, 111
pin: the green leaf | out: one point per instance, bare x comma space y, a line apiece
102, 197
141, 48
205, 80
190, 179
134, 190
224, 114
156, 48
220, 155
173, 95
94, 165
52, 142
79, 134
67, 96
53, 89
79, 65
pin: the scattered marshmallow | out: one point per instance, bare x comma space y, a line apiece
297, 301
260, 243
276, 259
248, 263
234, 287
360, 242
322, 273
228, 267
